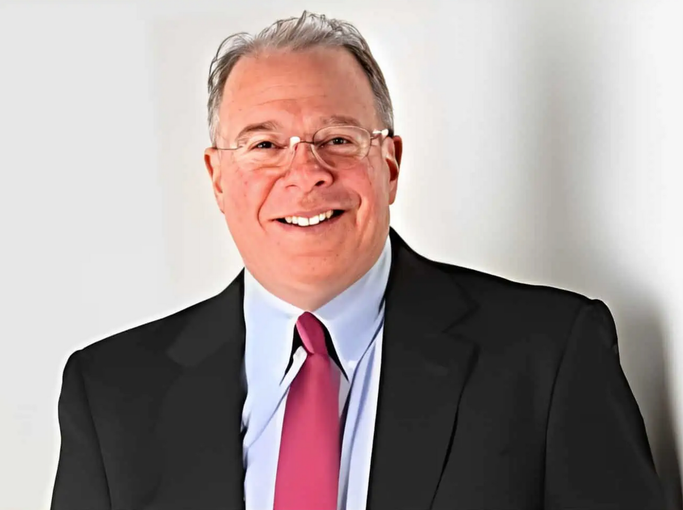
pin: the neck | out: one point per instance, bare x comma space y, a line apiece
310, 296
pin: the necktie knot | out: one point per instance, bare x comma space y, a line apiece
312, 334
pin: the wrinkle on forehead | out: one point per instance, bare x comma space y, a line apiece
297, 87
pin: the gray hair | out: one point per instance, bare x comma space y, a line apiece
309, 30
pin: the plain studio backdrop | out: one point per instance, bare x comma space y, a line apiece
543, 142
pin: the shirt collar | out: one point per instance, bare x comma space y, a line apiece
353, 319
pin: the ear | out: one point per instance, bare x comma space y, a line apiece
393, 160
212, 161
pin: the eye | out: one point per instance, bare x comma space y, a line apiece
337, 140
262, 144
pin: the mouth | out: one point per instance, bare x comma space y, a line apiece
311, 221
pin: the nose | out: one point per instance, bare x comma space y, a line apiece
305, 171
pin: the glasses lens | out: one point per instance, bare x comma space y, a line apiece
261, 150
343, 146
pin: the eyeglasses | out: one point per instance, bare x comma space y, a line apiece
334, 147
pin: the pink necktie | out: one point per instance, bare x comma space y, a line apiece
308, 465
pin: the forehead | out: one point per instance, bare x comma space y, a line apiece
296, 88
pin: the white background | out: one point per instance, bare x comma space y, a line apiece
543, 142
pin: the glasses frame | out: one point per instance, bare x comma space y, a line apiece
295, 140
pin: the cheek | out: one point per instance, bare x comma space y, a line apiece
372, 185
245, 195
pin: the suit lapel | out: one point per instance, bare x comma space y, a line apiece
198, 429
425, 364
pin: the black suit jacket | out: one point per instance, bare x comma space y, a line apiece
493, 396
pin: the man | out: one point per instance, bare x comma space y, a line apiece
341, 369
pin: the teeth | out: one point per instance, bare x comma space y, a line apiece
305, 222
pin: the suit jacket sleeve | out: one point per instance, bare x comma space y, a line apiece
597, 452
80, 482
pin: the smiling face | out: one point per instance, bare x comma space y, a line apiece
297, 93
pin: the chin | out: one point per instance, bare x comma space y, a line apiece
315, 252
317, 274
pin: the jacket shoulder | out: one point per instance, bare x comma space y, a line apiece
147, 338
522, 310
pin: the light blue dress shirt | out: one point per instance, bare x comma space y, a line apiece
355, 321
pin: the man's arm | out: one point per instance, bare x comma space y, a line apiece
81, 482
597, 456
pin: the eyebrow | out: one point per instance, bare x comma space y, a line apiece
271, 125
340, 120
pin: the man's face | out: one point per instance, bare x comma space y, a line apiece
298, 92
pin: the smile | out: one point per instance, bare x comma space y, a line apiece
302, 221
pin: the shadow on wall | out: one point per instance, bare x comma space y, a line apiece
646, 332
